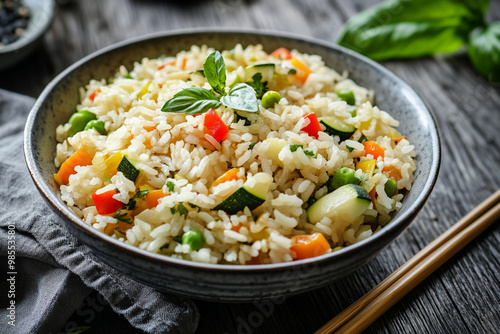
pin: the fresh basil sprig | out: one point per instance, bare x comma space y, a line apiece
192, 101
484, 51
214, 69
241, 97
199, 100
409, 29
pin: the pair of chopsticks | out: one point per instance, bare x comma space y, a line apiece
371, 306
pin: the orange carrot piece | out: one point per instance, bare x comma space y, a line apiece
150, 128
79, 158
184, 62
309, 245
237, 227
392, 172
230, 175
153, 197
374, 149
94, 94
303, 72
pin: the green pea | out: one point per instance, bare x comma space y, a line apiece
193, 238
347, 95
270, 98
97, 125
391, 187
342, 177
78, 121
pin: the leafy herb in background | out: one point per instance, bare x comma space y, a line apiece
409, 29
484, 51
199, 100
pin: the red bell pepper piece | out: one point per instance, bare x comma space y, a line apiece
313, 127
282, 53
105, 203
214, 125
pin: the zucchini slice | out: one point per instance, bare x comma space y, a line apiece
346, 203
336, 127
252, 194
128, 169
266, 69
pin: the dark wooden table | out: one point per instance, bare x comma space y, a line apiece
462, 296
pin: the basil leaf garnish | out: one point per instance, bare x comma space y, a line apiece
198, 100
192, 101
214, 69
241, 97
484, 51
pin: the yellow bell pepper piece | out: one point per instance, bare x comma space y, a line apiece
112, 164
394, 134
143, 91
263, 234
367, 166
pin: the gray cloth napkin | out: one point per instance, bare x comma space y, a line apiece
53, 272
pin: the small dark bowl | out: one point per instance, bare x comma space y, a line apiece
42, 13
231, 283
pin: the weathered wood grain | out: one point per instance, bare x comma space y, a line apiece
462, 296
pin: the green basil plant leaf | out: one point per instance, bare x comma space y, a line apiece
214, 69
479, 7
484, 51
241, 97
408, 29
192, 101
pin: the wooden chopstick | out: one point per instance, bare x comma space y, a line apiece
367, 309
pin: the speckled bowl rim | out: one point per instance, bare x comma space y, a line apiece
392, 227
35, 29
